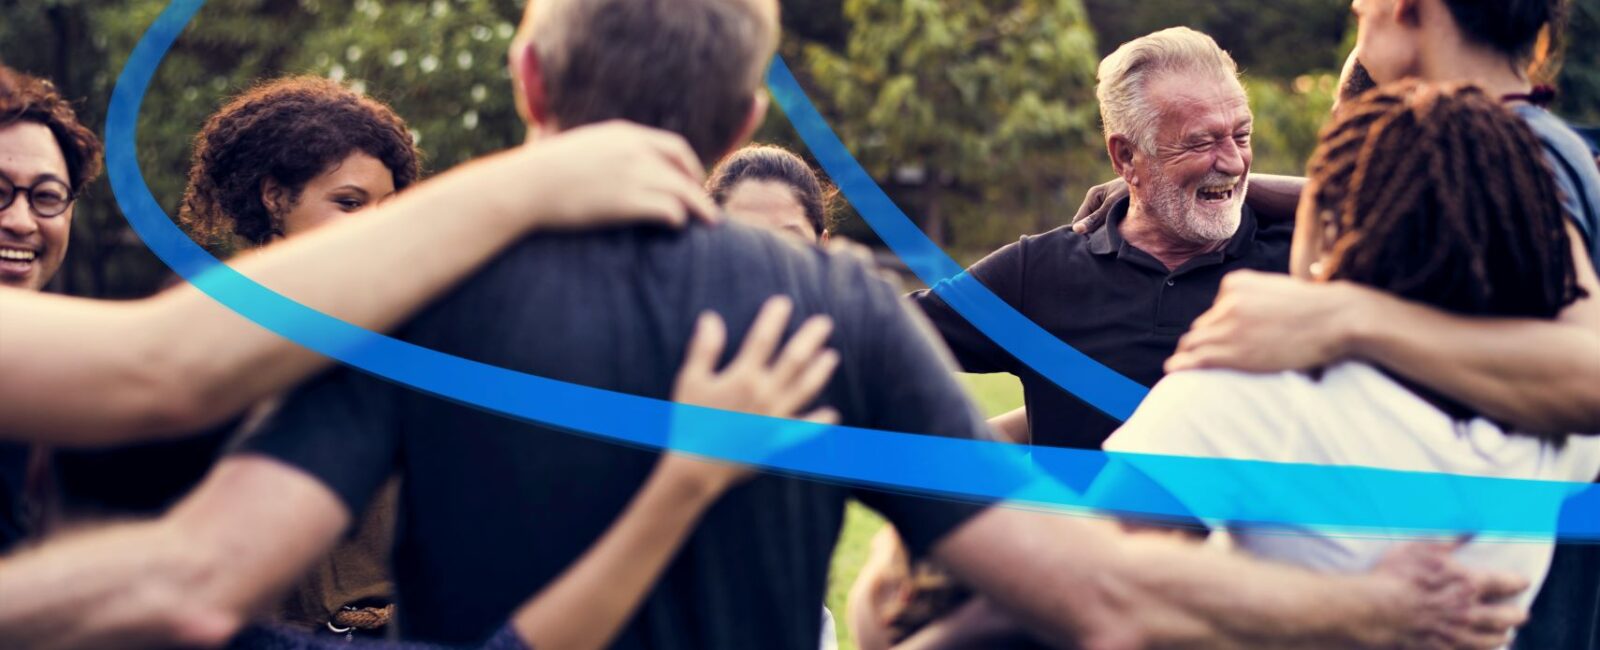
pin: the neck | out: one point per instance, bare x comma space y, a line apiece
1146, 232
1449, 58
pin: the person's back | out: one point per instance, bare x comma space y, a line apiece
1436, 194
494, 509
1353, 414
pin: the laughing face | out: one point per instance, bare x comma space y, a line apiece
32, 246
1198, 174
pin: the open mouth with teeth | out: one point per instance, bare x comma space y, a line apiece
1217, 192
17, 262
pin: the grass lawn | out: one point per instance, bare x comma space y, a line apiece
995, 394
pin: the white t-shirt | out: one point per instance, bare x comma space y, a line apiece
1354, 415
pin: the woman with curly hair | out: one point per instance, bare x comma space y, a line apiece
292, 154
281, 159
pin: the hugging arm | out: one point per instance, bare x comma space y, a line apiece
93, 373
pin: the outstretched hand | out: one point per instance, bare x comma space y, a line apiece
762, 379
607, 174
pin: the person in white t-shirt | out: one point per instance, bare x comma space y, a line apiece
1437, 194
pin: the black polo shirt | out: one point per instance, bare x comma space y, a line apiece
492, 510
1105, 297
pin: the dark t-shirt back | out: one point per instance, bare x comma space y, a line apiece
492, 509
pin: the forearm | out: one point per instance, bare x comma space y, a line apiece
595, 597
191, 578
124, 586
1273, 197
1537, 376
1088, 584
181, 361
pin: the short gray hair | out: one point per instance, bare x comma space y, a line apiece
1125, 75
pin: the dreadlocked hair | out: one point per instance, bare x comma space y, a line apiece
1438, 194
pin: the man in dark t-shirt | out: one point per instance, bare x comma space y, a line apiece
493, 507
1178, 128
1105, 297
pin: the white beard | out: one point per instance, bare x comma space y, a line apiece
1181, 212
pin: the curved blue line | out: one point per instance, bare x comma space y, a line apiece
1278, 494
1083, 377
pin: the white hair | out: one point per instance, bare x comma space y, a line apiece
1125, 75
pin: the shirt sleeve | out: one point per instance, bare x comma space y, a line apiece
907, 385
1002, 273
339, 428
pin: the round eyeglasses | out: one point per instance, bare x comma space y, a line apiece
48, 198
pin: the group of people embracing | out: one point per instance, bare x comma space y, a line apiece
1424, 300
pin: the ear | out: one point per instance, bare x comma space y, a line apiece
527, 79
1121, 150
823, 240
752, 121
1408, 12
275, 197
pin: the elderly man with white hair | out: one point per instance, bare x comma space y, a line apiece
1177, 128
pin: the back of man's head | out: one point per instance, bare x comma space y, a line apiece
688, 66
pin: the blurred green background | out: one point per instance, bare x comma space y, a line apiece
976, 115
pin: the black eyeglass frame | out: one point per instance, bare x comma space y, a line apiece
19, 190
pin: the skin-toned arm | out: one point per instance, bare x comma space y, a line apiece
1012, 426
586, 607
1088, 582
90, 373
196, 575
1538, 376
190, 578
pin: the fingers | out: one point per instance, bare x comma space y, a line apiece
1091, 202
680, 154
710, 335
824, 415
801, 348
807, 386
765, 332
1495, 588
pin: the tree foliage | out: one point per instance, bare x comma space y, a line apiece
978, 116
979, 111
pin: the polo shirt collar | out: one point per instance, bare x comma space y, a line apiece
1108, 239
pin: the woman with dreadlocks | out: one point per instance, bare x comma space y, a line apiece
1431, 193
1536, 375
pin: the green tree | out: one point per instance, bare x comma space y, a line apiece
977, 114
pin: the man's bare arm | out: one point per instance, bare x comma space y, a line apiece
83, 372
1537, 376
1089, 584
190, 578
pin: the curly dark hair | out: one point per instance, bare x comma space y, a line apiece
290, 130
765, 162
26, 98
